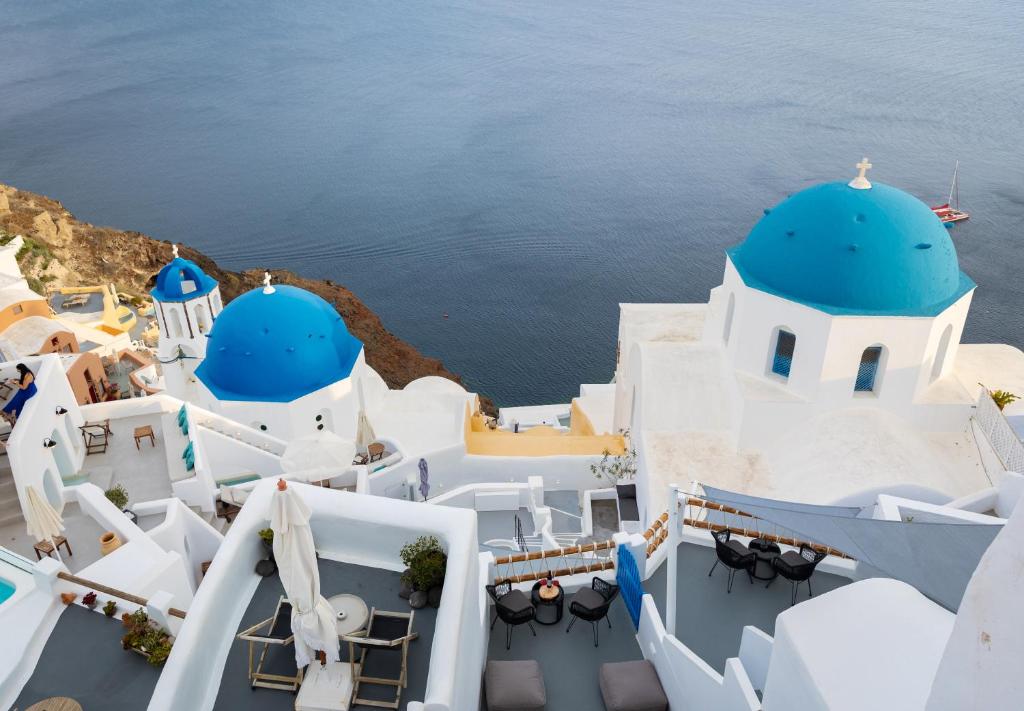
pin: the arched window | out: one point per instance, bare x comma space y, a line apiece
174, 323
216, 302
727, 328
202, 318
869, 371
785, 347
940, 353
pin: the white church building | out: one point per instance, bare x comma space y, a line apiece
827, 364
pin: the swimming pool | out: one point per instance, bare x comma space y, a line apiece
6, 590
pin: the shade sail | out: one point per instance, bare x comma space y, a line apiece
313, 619
933, 553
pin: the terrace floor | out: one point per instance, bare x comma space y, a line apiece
142, 471
83, 659
570, 662
82, 532
708, 620
378, 588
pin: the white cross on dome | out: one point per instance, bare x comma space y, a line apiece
861, 181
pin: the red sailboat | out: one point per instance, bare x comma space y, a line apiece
951, 212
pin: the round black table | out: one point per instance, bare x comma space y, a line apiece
765, 552
548, 610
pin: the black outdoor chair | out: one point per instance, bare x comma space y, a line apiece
735, 555
513, 607
592, 604
798, 567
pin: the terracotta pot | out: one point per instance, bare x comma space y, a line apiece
68, 598
109, 542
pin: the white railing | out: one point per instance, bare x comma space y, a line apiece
1000, 434
18, 561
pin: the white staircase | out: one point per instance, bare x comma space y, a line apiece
10, 509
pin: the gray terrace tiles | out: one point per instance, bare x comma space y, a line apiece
378, 588
83, 659
710, 621
569, 661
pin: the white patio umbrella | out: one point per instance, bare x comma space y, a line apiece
318, 456
313, 618
42, 520
365, 436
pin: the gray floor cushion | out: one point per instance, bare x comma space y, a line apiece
514, 686
631, 686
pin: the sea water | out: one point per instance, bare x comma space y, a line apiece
521, 166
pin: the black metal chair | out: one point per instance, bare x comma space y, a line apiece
798, 567
592, 604
734, 555
513, 607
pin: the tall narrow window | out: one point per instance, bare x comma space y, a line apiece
867, 373
727, 328
785, 346
940, 353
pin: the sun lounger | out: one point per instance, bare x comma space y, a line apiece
384, 645
273, 632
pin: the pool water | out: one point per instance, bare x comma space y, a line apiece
6, 590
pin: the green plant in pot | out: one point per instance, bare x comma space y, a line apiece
425, 561
267, 537
118, 496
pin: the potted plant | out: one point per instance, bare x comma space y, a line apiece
110, 608
118, 496
89, 600
620, 470
267, 538
425, 562
1001, 398
145, 637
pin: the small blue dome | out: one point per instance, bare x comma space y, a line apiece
277, 347
842, 250
182, 280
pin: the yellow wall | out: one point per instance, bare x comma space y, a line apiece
539, 441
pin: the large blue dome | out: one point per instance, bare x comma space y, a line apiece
181, 280
843, 250
276, 347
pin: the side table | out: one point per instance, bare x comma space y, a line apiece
549, 603
764, 552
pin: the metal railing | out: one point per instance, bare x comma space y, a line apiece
1000, 434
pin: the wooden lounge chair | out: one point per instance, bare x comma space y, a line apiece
384, 641
96, 436
277, 631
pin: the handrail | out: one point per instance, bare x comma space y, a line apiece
588, 568
17, 560
91, 584
555, 552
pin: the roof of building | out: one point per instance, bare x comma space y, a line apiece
182, 280
844, 250
276, 345
16, 294
28, 335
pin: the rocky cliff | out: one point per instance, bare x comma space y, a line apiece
63, 251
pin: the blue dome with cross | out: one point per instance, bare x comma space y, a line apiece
181, 280
276, 344
856, 248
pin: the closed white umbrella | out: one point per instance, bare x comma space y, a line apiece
320, 456
42, 520
365, 436
313, 618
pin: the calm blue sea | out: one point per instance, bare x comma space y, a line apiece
523, 166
